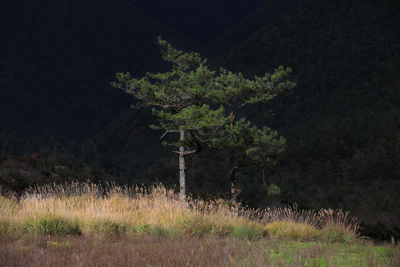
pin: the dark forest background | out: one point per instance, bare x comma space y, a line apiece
60, 119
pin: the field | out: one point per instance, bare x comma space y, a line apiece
82, 224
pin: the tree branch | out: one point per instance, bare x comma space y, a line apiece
160, 105
190, 152
167, 132
198, 144
241, 106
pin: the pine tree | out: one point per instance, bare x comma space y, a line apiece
177, 100
246, 144
204, 108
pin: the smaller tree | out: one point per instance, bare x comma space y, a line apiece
177, 100
246, 144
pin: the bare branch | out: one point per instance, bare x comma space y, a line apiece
159, 105
241, 106
167, 132
190, 152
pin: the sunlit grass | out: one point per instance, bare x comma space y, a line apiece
89, 209
91, 221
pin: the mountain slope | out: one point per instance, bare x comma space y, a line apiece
342, 120
269, 12
200, 20
58, 57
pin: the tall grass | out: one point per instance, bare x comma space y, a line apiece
90, 209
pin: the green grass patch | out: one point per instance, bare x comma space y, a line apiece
5, 228
105, 227
292, 231
336, 234
51, 225
140, 229
60, 245
200, 225
248, 231
160, 231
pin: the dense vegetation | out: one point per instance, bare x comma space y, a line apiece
60, 118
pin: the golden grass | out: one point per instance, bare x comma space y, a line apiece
89, 209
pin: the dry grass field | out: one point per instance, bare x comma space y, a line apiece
83, 224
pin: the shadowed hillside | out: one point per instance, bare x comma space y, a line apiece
58, 57
341, 120
200, 20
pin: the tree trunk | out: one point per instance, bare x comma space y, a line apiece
182, 178
263, 177
234, 191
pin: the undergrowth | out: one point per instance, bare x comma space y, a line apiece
89, 209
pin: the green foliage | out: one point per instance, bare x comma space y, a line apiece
273, 190
140, 229
202, 225
176, 96
63, 245
5, 228
236, 91
248, 144
337, 234
108, 227
248, 231
181, 98
292, 231
197, 226
51, 225
160, 231
245, 144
